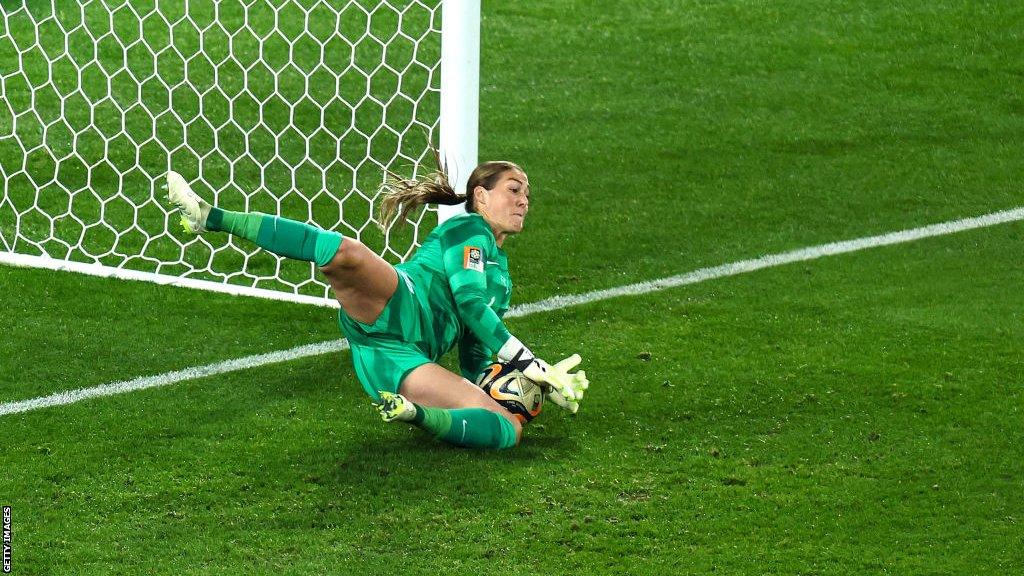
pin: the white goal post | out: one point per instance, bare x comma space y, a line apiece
290, 107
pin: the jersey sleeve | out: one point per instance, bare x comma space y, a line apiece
473, 356
465, 250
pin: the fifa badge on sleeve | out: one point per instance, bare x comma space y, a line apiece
473, 259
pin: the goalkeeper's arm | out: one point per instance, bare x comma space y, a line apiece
563, 388
468, 284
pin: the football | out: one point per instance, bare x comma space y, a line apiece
517, 393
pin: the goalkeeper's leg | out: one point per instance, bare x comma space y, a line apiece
362, 281
452, 409
281, 236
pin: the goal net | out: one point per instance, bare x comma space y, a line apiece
290, 107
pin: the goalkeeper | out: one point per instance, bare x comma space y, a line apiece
400, 320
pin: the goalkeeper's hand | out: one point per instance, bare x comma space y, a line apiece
562, 388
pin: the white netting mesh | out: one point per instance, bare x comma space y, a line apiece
291, 107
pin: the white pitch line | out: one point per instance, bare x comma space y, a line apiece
72, 396
548, 305
771, 260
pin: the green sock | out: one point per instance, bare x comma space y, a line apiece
281, 236
468, 427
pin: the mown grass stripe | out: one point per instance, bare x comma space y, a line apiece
547, 305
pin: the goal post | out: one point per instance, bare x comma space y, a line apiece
460, 96
290, 107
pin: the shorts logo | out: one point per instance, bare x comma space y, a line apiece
472, 259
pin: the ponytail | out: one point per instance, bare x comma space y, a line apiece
400, 196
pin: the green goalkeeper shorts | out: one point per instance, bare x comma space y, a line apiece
385, 352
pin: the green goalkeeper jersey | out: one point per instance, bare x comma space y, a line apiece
461, 275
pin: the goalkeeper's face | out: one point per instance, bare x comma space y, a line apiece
505, 206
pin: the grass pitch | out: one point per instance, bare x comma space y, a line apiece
859, 414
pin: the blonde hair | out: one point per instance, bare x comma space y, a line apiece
400, 196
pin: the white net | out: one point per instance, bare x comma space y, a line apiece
290, 107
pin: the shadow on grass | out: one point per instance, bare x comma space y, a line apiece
417, 466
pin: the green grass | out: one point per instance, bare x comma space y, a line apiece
857, 414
